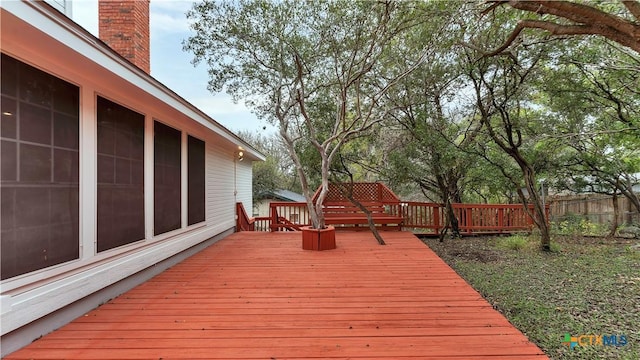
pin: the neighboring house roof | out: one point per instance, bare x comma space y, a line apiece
284, 195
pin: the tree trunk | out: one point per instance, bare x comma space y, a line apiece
454, 197
324, 190
348, 193
451, 222
630, 194
616, 211
315, 213
539, 212
449, 193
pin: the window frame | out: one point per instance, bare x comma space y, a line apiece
58, 140
201, 219
119, 159
161, 188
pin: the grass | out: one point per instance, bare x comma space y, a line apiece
585, 286
513, 242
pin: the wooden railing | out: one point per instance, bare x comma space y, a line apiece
243, 221
288, 216
472, 218
417, 217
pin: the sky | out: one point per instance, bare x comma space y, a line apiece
172, 66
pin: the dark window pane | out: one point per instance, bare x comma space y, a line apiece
9, 160
106, 169
35, 163
137, 147
9, 113
32, 207
9, 260
7, 210
65, 168
119, 210
105, 216
40, 207
63, 204
35, 124
120, 177
63, 101
65, 131
36, 87
123, 140
9, 79
123, 171
64, 250
107, 133
167, 178
137, 172
31, 247
195, 180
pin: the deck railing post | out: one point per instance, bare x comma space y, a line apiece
273, 212
435, 210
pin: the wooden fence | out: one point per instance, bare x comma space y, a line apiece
593, 207
423, 218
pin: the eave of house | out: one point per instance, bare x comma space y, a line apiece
29, 25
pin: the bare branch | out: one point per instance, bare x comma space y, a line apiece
634, 8
587, 20
553, 28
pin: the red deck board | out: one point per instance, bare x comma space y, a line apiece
260, 296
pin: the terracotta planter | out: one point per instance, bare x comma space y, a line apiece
318, 239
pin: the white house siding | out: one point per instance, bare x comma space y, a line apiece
261, 207
220, 187
244, 185
67, 52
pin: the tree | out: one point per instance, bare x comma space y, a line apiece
427, 126
504, 91
597, 107
276, 172
599, 95
620, 24
315, 69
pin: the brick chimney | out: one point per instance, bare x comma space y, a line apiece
124, 25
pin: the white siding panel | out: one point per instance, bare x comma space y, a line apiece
220, 186
244, 185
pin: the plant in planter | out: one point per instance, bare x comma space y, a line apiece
317, 70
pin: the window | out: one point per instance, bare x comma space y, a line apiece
120, 175
39, 181
195, 180
167, 146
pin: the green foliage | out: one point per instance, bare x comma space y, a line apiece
574, 224
266, 178
319, 70
276, 172
513, 242
589, 287
402, 92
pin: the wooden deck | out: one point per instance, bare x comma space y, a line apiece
257, 295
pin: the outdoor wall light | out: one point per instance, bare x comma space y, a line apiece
240, 156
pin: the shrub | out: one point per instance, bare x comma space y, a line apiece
577, 225
513, 242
